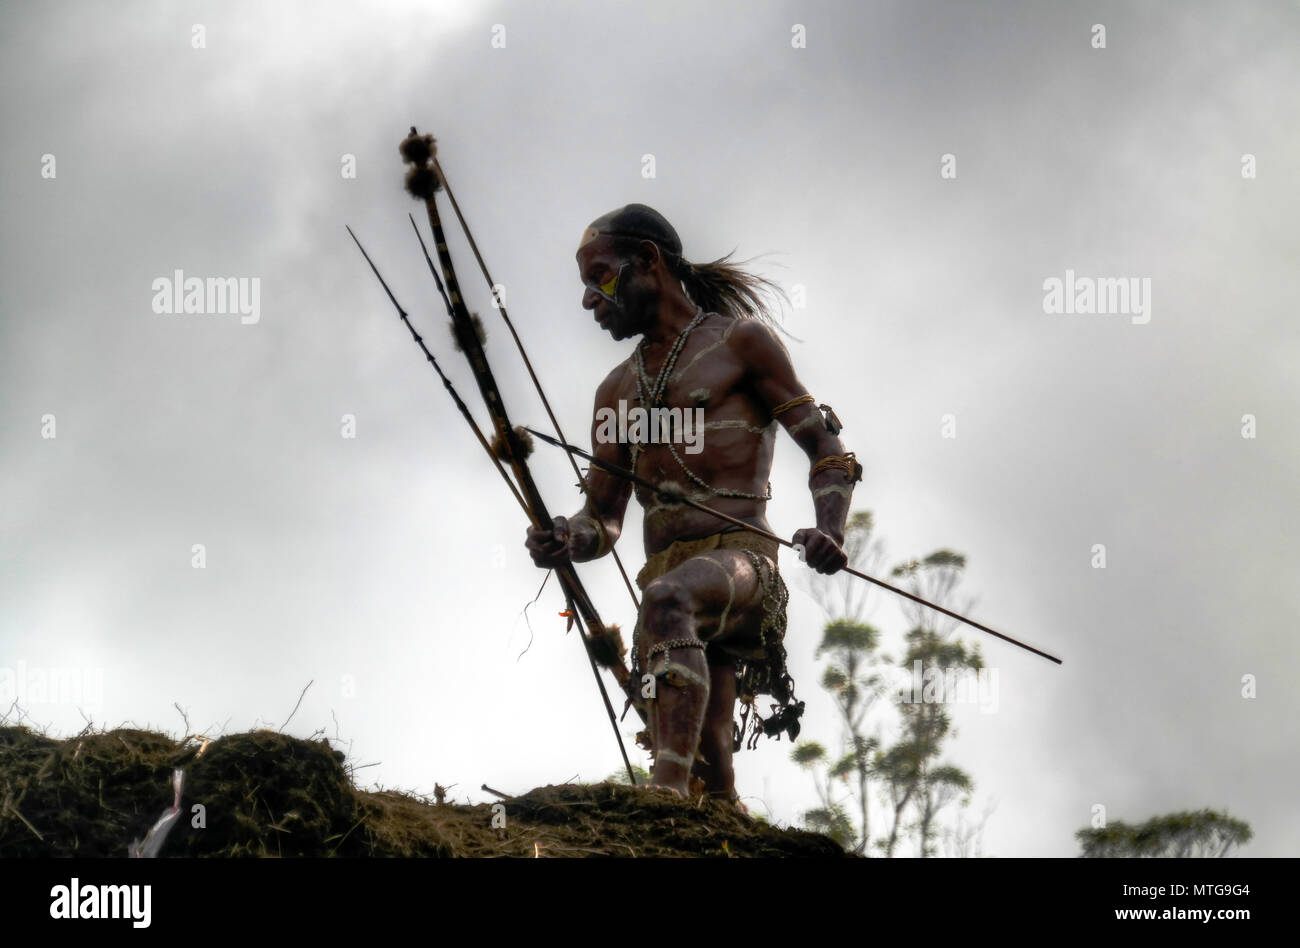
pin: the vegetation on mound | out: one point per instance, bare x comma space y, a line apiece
264, 793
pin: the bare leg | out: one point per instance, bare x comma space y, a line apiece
681, 683
715, 768
718, 593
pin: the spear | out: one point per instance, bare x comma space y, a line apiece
478, 433
523, 354
676, 496
423, 183
451, 389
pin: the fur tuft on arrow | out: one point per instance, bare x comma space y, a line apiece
502, 450
479, 330
420, 152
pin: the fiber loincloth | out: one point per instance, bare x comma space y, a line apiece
761, 659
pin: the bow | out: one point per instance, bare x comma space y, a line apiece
424, 180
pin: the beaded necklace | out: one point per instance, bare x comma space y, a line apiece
648, 395
661, 380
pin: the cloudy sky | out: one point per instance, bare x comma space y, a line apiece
388, 568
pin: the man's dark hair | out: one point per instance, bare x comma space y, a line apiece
718, 287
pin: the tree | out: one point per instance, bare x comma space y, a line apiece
1199, 833
909, 773
913, 774
965, 838
620, 776
830, 818
854, 682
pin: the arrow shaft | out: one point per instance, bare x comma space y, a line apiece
623, 472
575, 592
466, 335
451, 389
523, 354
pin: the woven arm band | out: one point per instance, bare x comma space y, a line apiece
845, 463
792, 403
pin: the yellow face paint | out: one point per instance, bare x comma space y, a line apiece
609, 289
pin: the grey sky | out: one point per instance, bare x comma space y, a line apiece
396, 557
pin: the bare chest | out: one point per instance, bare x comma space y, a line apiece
704, 375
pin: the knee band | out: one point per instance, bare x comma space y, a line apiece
678, 675
673, 643
664, 753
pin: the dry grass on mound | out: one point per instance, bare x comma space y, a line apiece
268, 794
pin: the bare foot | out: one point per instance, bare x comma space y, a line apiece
663, 786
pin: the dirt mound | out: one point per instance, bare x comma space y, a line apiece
267, 794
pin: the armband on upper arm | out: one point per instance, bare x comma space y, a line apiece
792, 403
828, 417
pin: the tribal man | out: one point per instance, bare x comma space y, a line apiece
712, 619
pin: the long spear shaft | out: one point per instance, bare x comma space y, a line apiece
464, 410
466, 335
451, 389
675, 496
580, 605
528, 363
